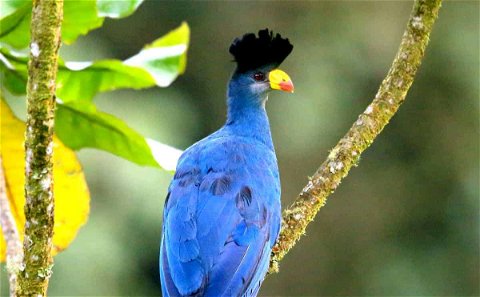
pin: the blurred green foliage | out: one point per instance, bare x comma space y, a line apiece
78, 123
405, 222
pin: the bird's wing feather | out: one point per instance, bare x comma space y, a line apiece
180, 242
218, 219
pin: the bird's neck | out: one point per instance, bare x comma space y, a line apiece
247, 117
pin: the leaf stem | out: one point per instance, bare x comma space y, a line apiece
368, 126
10, 233
46, 23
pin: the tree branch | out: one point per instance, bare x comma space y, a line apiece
46, 23
369, 124
10, 233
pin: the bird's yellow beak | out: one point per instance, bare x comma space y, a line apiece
279, 80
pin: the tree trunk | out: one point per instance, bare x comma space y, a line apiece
46, 23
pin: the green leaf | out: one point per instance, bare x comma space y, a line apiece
81, 81
8, 7
13, 72
159, 63
80, 127
165, 58
165, 155
83, 126
79, 17
12, 81
74, 84
117, 9
15, 22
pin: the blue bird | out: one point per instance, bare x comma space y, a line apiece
222, 212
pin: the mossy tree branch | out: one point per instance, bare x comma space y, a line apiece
369, 124
46, 23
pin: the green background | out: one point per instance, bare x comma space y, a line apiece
405, 222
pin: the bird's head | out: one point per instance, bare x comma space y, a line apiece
257, 60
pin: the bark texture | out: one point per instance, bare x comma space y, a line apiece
369, 124
46, 23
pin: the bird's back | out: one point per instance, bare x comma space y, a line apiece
221, 218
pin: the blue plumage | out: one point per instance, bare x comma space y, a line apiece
222, 213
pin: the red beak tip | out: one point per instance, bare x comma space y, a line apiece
287, 86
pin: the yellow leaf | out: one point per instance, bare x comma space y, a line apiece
70, 188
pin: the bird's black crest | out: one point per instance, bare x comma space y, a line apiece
251, 52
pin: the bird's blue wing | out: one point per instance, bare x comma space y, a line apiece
181, 272
221, 220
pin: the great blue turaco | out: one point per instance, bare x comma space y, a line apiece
222, 213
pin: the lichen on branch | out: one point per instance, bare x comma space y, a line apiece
368, 126
45, 29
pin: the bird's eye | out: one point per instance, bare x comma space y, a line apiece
259, 76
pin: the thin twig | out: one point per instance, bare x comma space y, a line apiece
45, 30
369, 124
10, 233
